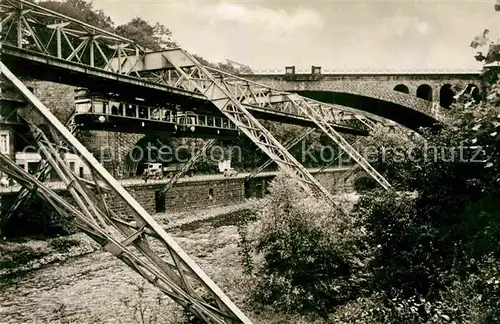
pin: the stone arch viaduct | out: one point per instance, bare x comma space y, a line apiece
436, 86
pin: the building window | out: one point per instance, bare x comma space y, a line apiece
72, 166
211, 193
290, 70
32, 167
4, 143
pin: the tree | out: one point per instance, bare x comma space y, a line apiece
443, 226
156, 37
225, 67
81, 10
303, 252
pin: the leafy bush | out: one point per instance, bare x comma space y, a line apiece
305, 255
437, 241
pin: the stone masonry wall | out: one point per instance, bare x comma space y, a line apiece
58, 98
111, 150
185, 196
334, 181
195, 195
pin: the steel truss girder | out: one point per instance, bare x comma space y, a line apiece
252, 95
249, 93
321, 114
339, 140
27, 25
78, 42
197, 78
41, 173
185, 168
229, 93
288, 145
256, 94
173, 79
127, 241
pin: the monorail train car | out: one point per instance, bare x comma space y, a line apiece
109, 113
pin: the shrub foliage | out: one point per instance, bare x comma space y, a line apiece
427, 252
304, 258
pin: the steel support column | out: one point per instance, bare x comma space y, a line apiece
195, 77
185, 168
291, 143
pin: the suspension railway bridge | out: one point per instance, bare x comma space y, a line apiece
45, 45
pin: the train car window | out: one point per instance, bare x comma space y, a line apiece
130, 111
143, 112
188, 118
105, 109
218, 122
225, 123
97, 106
155, 113
210, 121
83, 105
203, 120
114, 108
121, 109
179, 117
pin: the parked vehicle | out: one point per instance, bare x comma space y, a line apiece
226, 169
154, 171
230, 172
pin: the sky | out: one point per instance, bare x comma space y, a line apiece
366, 35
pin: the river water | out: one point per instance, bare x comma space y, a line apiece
97, 288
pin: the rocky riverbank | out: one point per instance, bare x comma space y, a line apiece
31, 254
